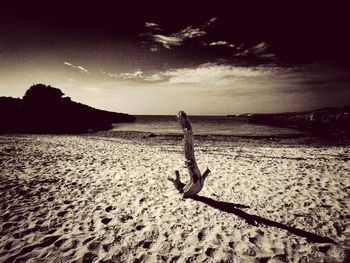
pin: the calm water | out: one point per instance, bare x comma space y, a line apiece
203, 125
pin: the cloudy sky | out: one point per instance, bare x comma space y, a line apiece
206, 59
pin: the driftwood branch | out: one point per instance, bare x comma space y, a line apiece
196, 182
178, 184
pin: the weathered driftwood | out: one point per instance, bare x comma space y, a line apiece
196, 182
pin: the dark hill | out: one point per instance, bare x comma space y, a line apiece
43, 109
326, 122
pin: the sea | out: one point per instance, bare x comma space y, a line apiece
204, 125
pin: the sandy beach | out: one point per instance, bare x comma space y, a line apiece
97, 199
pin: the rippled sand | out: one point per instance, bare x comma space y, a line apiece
94, 199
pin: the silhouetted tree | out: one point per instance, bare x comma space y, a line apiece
42, 95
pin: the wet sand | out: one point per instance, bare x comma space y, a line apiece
100, 199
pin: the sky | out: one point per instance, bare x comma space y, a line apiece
218, 58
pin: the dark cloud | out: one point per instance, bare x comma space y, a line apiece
178, 38
258, 51
197, 36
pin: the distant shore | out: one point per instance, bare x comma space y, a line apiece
327, 123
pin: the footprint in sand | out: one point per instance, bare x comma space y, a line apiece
81, 227
201, 235
91, 225
231, 244
106, 220
62, 213
124, 218
88, 240
94, 246
145, 244
68, 245
139, 227
89, 257
278, 259
109, 208
107, 247
60, 242
260, 240
46, 242
210, 252
8, 245
7, 226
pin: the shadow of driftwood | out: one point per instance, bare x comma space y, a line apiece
254, 219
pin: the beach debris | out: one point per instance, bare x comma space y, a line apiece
196, 182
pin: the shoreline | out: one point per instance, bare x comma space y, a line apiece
292, 139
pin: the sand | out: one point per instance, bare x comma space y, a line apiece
95, 199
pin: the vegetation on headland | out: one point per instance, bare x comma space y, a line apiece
44, 109
327, 122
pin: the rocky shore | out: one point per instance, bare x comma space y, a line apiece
327, 123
